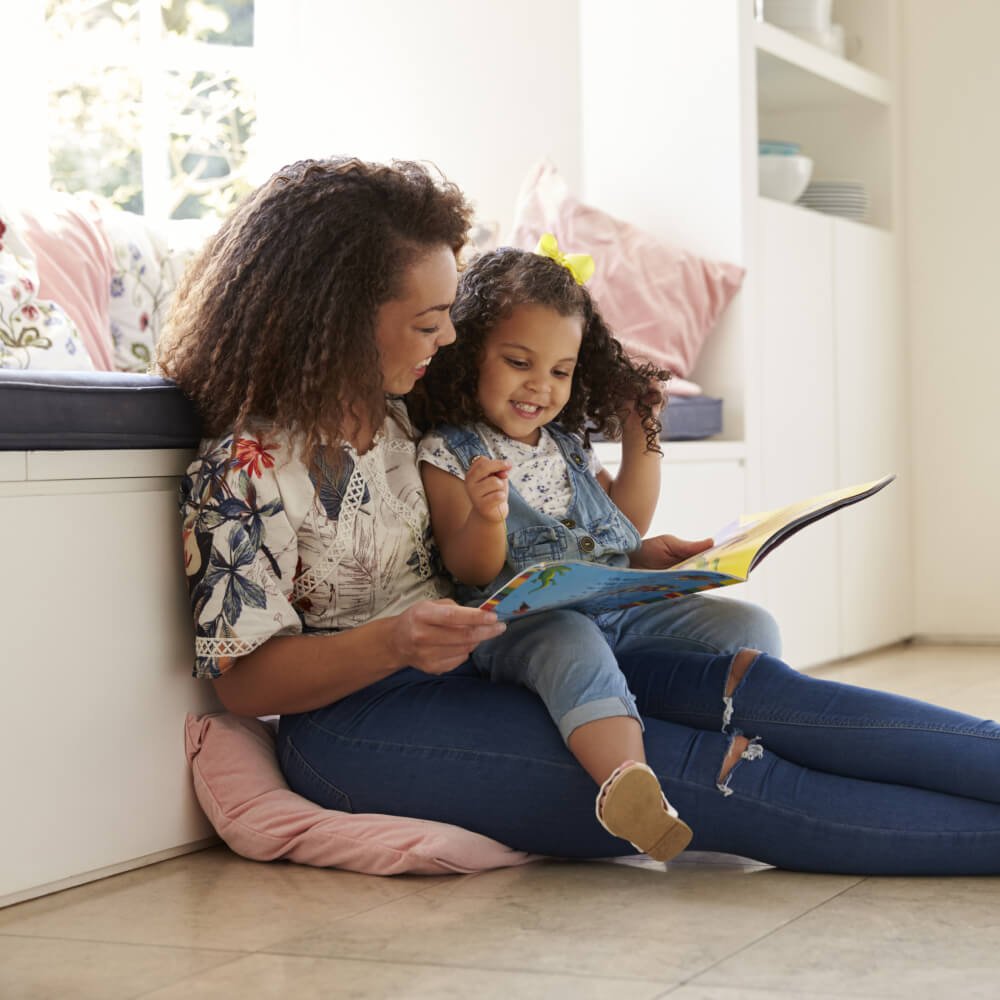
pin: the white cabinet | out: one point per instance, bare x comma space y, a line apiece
702, 487
96, 677
875, 566
798, 425
831, 348
810, 357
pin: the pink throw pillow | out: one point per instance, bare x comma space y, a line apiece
243, 792
661, 302
35, 333
75, 263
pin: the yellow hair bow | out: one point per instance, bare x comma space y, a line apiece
580, 265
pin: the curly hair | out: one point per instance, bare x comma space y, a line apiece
606, 384
276, 317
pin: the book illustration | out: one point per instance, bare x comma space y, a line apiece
594, 588
548, 576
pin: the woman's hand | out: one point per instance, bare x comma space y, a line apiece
487, 487
436, 636
664, 551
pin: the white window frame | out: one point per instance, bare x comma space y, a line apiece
157, 54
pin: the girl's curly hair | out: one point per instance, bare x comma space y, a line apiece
276, 317
606, 385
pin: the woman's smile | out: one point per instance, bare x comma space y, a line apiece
418, 319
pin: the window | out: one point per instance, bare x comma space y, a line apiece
151, 102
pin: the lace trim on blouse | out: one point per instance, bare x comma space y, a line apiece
369, 471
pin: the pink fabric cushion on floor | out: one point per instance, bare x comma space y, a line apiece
75, 263
243, 792
660, 301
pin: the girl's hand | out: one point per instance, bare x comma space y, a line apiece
655, 397
664, 551
437, 636
487, 487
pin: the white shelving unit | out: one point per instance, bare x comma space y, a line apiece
840, 112
809, 357
793, 74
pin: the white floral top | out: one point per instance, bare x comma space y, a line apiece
280, 548
538, 474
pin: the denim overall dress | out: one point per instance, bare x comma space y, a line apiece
562, 655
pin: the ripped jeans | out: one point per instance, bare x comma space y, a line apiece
833, 778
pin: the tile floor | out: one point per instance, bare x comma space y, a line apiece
712, 927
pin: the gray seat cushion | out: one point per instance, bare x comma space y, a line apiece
70, 411
691, 418
688, 418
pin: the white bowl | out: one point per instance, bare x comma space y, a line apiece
794, 14
784, 177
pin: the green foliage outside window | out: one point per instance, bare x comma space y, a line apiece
98, 116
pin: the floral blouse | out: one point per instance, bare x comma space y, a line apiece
277, 545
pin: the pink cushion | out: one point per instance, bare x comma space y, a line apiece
35, 332
244, 794
74, 262
661, 302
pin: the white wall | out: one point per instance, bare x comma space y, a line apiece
951, 89
483, 89
23, 156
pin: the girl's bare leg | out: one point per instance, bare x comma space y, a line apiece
604, 744
630, 802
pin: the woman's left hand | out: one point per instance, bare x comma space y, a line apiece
664, 551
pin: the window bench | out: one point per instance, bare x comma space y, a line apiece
96, 635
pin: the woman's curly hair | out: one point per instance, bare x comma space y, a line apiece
606, 385
276, 317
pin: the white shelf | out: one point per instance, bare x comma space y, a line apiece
794, 75
704, 451
676, 452
796, 207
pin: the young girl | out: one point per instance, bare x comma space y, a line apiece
510, 481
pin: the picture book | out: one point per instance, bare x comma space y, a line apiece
594, 588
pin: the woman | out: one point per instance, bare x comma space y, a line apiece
317, 594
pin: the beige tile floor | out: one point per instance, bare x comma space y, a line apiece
712, 927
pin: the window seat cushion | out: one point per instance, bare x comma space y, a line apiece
70, 411
687, 418
691, 418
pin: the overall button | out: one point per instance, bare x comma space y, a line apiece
568, 522
577, 459
587, 544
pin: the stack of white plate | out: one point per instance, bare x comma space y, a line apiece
848, 199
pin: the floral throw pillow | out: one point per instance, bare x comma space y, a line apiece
34, 332
140, 288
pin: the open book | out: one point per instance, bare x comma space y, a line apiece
593, 588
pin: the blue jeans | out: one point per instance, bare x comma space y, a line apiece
570, 660
841, 779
